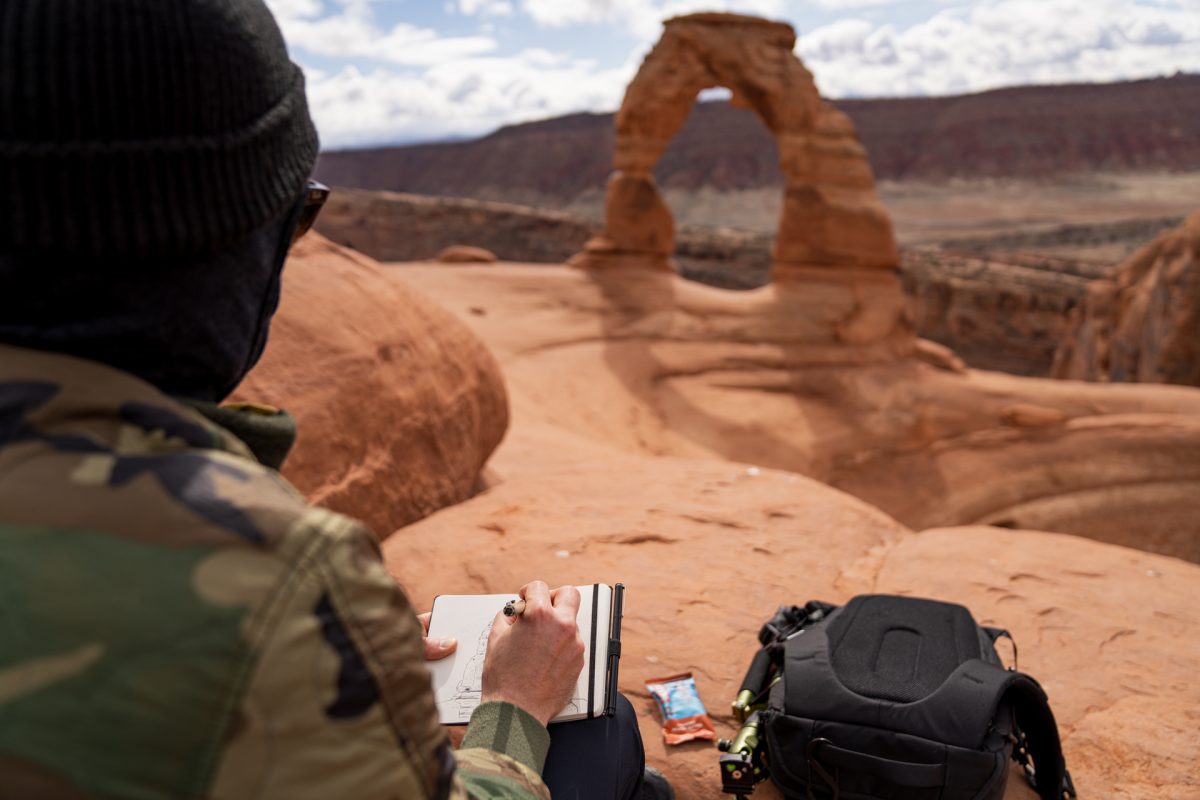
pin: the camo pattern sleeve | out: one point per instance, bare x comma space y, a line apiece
344, 624
177, 622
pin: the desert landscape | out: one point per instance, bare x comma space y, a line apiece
728, 420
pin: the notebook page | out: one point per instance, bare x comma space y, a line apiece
457, 680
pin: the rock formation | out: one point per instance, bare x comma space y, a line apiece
994, 313
831, 214
609, 372
399, 405
466, 254
677, 437
1143, 323
825, 379
709, 549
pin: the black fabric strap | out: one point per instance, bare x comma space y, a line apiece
1038, 730
591, 695
996, 634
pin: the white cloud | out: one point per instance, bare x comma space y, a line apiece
848, 4
1004, 42
642, 17
468, 96
354, 34
292, 9
487, 8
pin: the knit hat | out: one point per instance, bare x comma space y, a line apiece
146, 127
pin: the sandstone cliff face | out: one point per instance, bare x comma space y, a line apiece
1143, 323
399, 406
995, 314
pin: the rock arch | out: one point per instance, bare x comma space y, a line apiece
831, 216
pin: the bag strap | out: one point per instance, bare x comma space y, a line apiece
1035, 737
996, 634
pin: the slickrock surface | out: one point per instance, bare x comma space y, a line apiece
1143, 323
831, 213
709, 549
398, 404
605, 374
825, 379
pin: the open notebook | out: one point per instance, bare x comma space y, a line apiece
469, 617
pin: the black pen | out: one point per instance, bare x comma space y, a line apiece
514, 608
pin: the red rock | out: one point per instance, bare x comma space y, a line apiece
1143, 324
822, 378
398, 404
465, 254
831, 214
708, 549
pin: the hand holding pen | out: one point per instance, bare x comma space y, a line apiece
536, 664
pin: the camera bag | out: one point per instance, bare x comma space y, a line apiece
901, 698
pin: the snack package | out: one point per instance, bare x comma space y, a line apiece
684, 717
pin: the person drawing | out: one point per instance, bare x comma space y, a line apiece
175, 620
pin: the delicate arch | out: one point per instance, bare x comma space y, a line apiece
831, 217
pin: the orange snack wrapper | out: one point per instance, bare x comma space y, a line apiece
684, 717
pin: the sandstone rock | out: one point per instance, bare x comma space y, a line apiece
1144, 324
466, 254
611, 370
709, 549
398, 404
831, 214
821, 376
1008, 314
1028, 415
940, 356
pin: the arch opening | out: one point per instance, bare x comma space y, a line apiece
831, 215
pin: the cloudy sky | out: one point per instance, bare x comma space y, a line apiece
384, 71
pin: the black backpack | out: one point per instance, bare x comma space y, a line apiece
897, 698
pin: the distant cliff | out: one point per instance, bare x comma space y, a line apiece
1024, 132
992, 301
1141, 323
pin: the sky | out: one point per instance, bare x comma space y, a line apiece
403, 71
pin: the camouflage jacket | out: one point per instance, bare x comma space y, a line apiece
177, 622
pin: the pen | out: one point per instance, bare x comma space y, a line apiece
514, 608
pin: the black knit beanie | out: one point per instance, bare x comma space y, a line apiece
146, 127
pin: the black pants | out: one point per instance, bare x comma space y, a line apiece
596, 759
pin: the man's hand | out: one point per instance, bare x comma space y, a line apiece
534, 659
435, 649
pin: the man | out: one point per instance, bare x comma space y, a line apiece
175, 620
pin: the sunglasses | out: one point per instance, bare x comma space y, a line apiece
315, 195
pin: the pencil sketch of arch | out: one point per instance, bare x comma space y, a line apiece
831, 216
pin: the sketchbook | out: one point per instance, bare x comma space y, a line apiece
468, 618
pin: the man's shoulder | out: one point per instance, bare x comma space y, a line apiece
84, 447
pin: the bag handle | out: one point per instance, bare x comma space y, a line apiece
1036, 737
